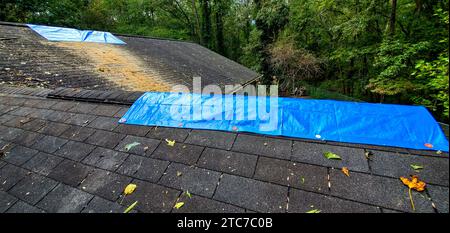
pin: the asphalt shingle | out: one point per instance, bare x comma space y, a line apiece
33, 188
143, 146
302, 202
18, 155
65, 199
6, 201
251, 194
105, 184
183, 153
380, 191
228, 162
177, 134
100, 205
352, 158
76, 151
198, 204
271, 147
49, 144
143, 168
42, 163
152, 198
215, 139
70, 173
435, 170
23, 207
105, 158
303, 176
10, 175
196, 180
105, 139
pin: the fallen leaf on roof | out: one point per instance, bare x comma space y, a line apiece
179, 205
416, 167
303, 180
179, 173
130, 146
314, 211
3, 150
438, 152
330, 155
130, 207
346, 171
415, 184
170, 143
368, 154
129, 189
188, 194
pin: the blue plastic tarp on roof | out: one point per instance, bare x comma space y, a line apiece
363, 123
74, 35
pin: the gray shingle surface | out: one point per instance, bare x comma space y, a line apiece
195, 180
352, 158
251, 194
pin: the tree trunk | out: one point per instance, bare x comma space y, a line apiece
220, 44
206, 20
392, 19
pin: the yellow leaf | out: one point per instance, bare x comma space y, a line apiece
170, 143
414, 183
130, 207
346, 171
179, 205
129, 189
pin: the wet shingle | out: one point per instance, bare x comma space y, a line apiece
302, 202
70, 173
271, 147
65, 199
182, 153
215, 139
152, 198
105, 139
352, 158
143, 168
105, 158
75, 150
33, 188
251, 194
195, 180
19, 155
105, 184
228, 162
303, 176
49, 144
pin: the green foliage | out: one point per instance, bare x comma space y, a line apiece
353, 44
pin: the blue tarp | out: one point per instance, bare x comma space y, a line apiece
364, 123
75, 35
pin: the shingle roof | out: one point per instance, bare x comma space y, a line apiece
142, 64
70, 150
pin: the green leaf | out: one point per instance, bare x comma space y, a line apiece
416, 167
330, 155
130, 146
314, 211
130, 207
188, 194
303, 180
